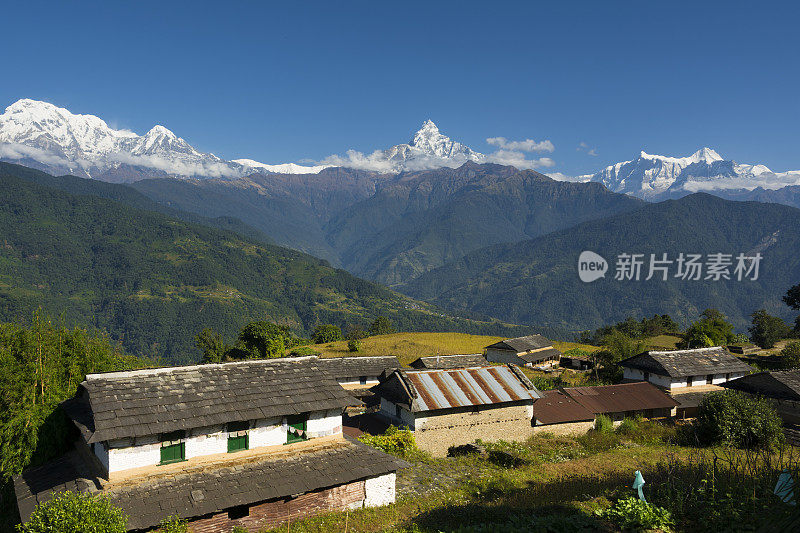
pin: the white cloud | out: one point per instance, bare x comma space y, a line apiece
583, 147
528, 145
517, 159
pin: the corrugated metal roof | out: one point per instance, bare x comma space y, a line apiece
638, 396
555, 407
443, 389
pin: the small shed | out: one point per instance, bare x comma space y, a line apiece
524, 351
557, 413
445, 362
624, 400
451, 407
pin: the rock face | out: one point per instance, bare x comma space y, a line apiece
656, 177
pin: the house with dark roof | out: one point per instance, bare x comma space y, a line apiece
782, 387
451, 407
250, 443
358, 372
624, 400
445, 362
523, 351
684, 368
557, 413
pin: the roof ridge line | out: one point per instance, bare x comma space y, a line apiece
168, 369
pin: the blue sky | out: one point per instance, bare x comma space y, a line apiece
282, 83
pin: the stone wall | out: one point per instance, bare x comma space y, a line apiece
435, 433
565, 429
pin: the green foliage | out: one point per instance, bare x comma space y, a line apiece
712, 329
382, 326
173, 524
354, 345
211, 346
74, 512
629, 426
630, 327
790, 355
265, 340
732, 418
635, 515
239, 529
326, 333
395, 441
792, 297
526, 523
603, 424
767, 329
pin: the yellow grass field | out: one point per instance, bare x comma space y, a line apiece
409, 346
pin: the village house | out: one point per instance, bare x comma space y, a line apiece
626, 400
688, 375
452, 407
557, 413
250, 444
523, 351
445, 362
781, 387
358, 372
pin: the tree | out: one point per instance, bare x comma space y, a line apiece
739, 420
212, 347
767, 329
326, 333
792, 297
712, 329
264, 340
790, 355
616, 347
75, 512
381, 326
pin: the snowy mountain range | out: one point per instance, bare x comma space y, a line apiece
50, 138
655, 177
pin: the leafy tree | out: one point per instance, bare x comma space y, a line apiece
792, 297
790, 355
767, 329
354, 345
381, 326
326, 333
75, 512
212, 347
354, 332
712, 329
739, 420
264, 340
616, 346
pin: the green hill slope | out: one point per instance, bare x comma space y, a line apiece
153, 281
536, 282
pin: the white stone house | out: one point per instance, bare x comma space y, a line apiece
450, 407
219, 445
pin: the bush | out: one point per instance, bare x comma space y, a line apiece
732, 418
790, 355
767, 329
633, 514
75, 512
603, 424
629, 425
326, 333
354, 345
395, 441
173, 524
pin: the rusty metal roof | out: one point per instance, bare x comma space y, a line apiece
444, 389
555, 407
638, 396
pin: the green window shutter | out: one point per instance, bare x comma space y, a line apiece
237, 444
298, 423
173, 453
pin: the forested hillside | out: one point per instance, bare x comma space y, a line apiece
153, 281
536, 282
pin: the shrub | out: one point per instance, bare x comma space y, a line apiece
173, 524
790, 355
326, 333
354, 345
732, 418
633, 514
603, 424
239, 529
395, 441
629, 425
75, 512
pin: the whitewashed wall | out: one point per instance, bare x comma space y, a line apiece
371, 380
126, 454
380, 490
675, 383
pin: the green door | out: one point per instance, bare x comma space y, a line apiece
173, 453
297, 428
237, 444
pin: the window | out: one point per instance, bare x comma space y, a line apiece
710, 379
240, 511
297, 428
362, 380
688, 381
238, 438
173, 449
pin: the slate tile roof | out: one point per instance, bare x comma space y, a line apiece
555, 407
682, 363
450, 361
638, 396
150, 402
781, 385
541, 355
355, 367
522, 344
199, 490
